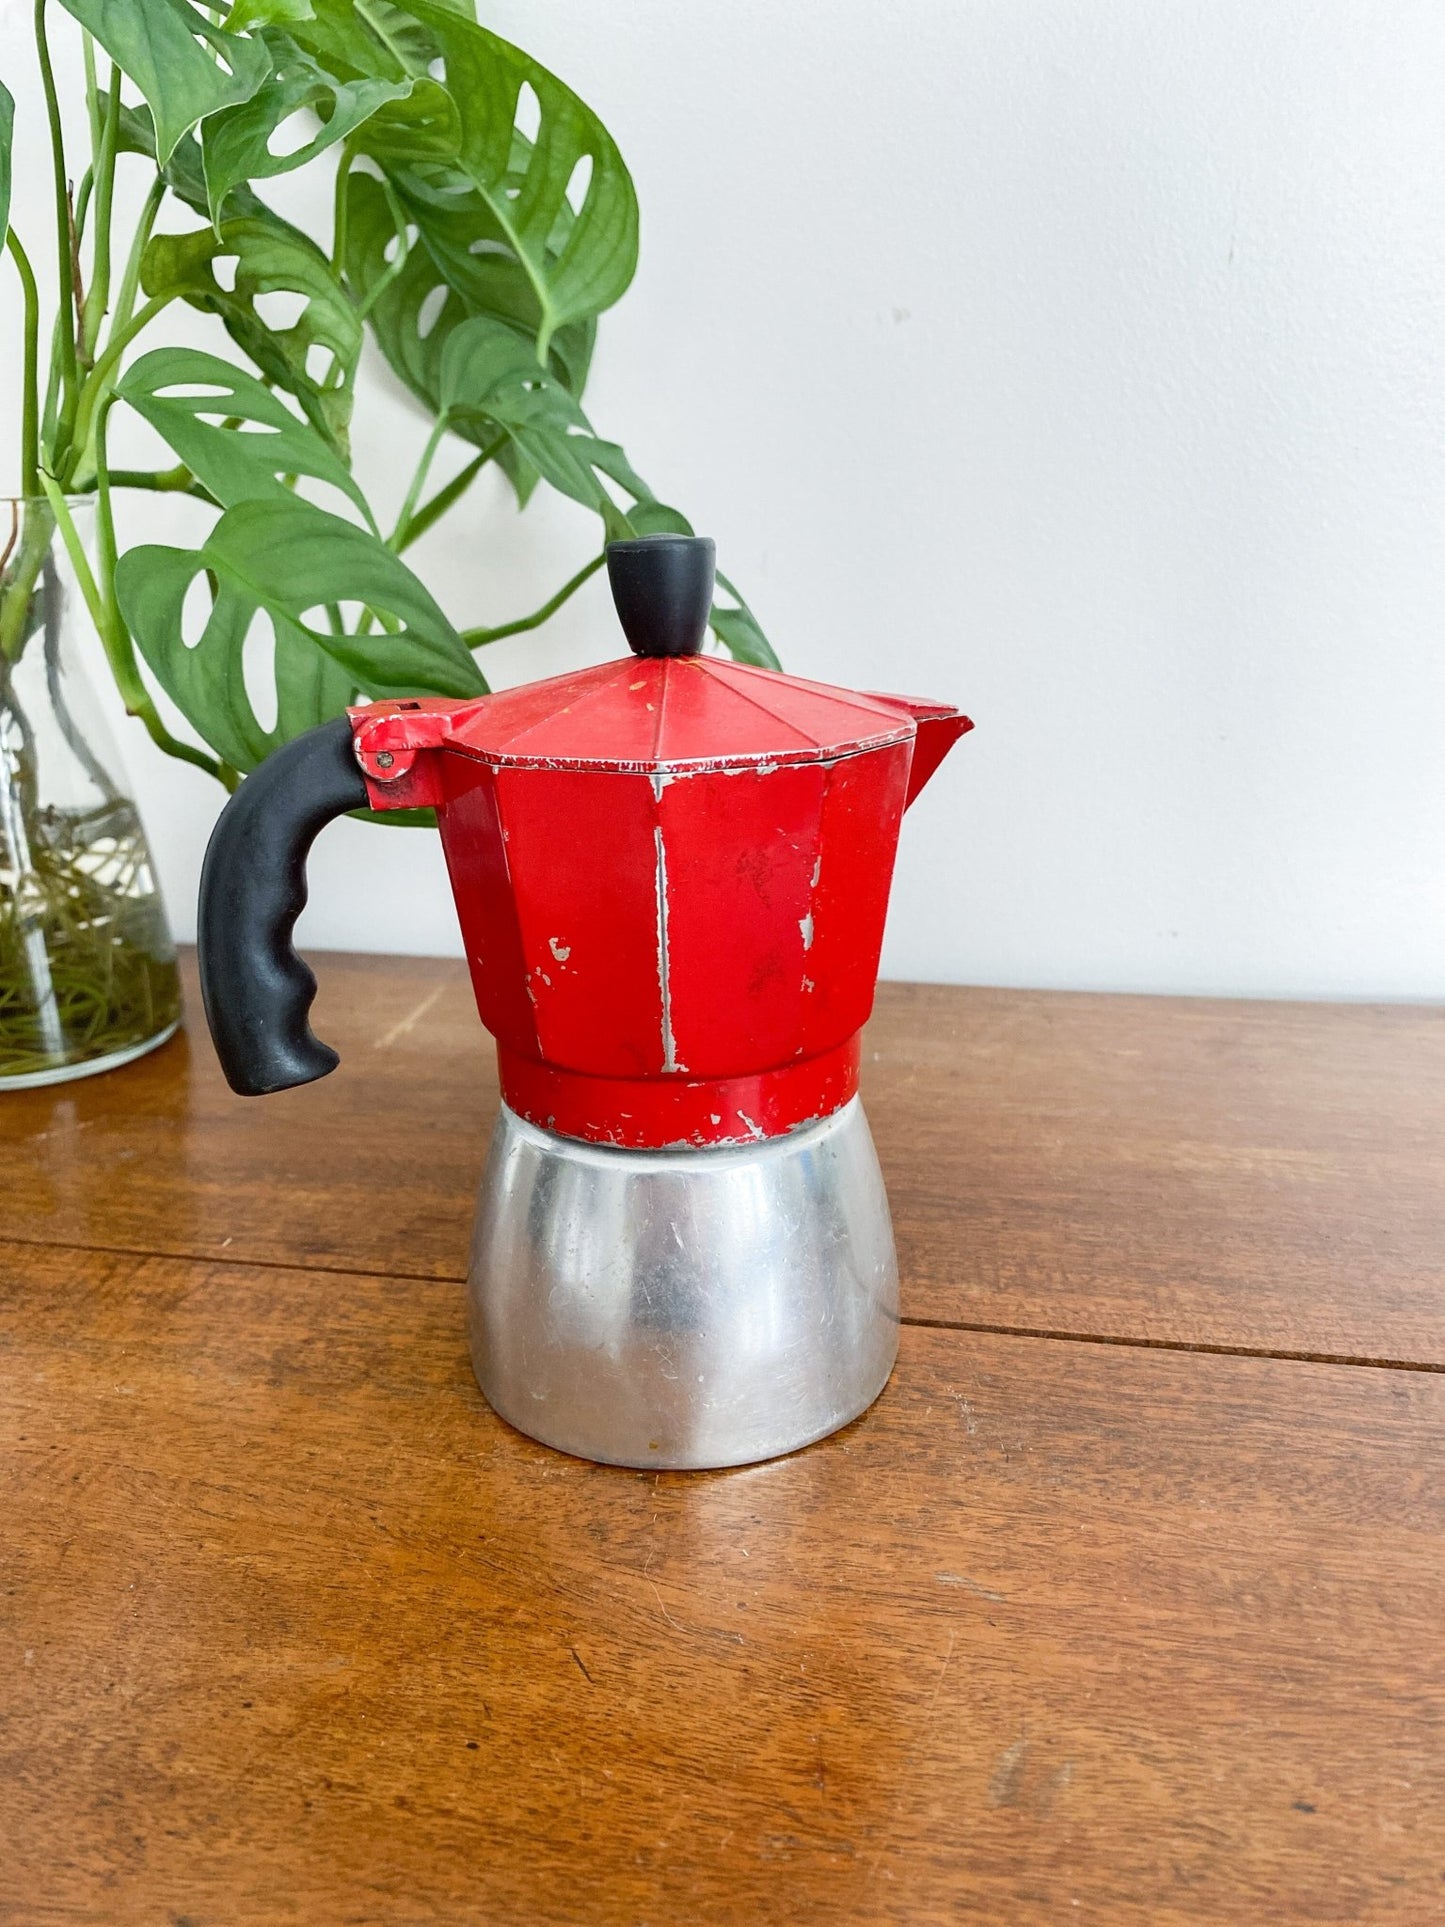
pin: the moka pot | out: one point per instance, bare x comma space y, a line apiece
671, 874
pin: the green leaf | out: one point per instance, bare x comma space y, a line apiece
397, 19
452, 256
280, 256
402, 294
656, 518
467, 244
369, 42
421, 127
739, 632
494, 391
183, 172
579, 259
242, 463
394, 282
185, 66
490, 379
286, 561
207, 683
7, 129
236, 144
457, 264
485, 361
266, 13
380, 38
270, 258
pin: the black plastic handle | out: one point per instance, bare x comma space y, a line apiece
257, 991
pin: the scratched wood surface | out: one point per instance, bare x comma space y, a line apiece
1263, 1177
295, 1631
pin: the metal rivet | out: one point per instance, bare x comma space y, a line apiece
384, 759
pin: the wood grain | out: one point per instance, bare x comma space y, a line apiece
295, 1631
1169, 1170
1172, 1171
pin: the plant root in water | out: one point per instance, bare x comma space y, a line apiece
86, 965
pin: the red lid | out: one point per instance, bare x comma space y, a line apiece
674, 712
667, 707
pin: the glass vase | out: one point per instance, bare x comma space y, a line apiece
88, 975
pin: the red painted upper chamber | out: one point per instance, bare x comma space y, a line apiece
672, 876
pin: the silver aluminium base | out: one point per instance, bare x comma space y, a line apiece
683, 1308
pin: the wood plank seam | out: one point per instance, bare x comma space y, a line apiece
1193, 1174
1056, 1335
1140, 1641
1177, 1345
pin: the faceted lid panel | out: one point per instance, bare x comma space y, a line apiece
675, 712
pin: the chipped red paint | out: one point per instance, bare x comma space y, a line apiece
672, 876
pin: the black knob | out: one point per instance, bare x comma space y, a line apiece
662, 585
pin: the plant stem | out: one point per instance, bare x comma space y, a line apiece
92, 92
19, 587
50, 414
30, 419
408, 528
98, 299
70, 535
65, 320
475, 638
82, 202
165, 481
396, 540
55, 685
339, 205
98, 383
130, 280
453, 491
77, 278
116, 640
105, 543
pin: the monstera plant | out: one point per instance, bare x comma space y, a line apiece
482, 219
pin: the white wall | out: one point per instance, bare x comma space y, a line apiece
1076, 359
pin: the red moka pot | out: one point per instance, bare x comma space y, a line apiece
671, 874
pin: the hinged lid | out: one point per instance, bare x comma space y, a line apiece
674, 712
667, 707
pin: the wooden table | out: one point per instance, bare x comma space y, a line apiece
1123, 1605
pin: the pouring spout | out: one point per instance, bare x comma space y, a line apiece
939, 727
